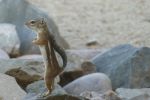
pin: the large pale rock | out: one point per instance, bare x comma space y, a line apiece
3, 54
134, 94
9, 40
97, 82
125, 66
18, 13
9, 89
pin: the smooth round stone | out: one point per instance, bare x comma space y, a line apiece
97, 82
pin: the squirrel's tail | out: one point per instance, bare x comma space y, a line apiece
60, 51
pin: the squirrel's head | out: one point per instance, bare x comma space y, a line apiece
37, 25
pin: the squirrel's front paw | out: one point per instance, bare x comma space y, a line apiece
40, 42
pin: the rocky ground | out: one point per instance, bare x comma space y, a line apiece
116, 74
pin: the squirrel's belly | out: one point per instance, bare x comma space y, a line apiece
44, 53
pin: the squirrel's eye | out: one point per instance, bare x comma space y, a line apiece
32, 22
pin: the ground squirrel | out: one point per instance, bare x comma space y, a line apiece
40, 27
47, 45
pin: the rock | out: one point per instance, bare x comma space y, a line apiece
92, 42
91, 95
134, 94
97, 82
109, 95
25, 71
35, 56
3, 54
32, 67
67, 77
9, 88
24, 12
37, 88
88, 67
74, 62
125, 66
85, 54
23, 78
78, 58
9, 40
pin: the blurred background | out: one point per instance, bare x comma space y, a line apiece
80, 24
107, 22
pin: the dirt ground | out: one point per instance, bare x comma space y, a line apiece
109, 22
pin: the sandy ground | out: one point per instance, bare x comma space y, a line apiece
109, 22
